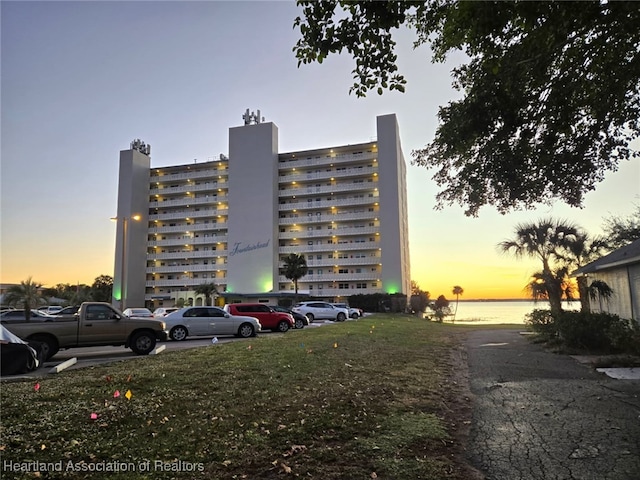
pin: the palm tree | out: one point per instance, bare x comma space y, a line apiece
579, 252
207, 289
457, 291
27, 295
539, 286
295, 267
599, 290
544, 240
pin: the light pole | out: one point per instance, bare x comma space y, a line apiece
123, 260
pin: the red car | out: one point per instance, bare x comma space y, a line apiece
268, 317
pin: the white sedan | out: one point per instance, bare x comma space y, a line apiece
138, 313
209, 321
321, 311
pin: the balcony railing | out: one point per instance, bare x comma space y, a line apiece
183, 201
328, 247
334, 277
314, 205
174, 242
183, 282
339, 292
196, 227
186, 268
324, 175
190, 187
331, 262
187, 254
323, 233
212, 172
191, 213
300, 191
312, 161
313, 217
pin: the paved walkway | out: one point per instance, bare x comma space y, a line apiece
542, 416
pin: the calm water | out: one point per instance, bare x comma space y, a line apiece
500, 312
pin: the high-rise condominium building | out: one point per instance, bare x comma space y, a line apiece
231, 221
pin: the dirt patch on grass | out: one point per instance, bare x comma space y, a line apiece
459, 410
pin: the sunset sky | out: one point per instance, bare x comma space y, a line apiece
81, 80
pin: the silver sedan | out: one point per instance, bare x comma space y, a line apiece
209, 321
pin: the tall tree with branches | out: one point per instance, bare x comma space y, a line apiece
295, 267
620, 231
101, 289
550, 91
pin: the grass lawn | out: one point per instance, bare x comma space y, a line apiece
375, 398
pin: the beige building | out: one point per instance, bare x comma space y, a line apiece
620, 270
230, 221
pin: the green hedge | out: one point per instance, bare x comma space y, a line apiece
597, 332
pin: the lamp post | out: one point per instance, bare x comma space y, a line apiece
123, 259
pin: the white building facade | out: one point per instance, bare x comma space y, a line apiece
231, 221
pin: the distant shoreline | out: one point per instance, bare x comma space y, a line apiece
492, 300
528, 300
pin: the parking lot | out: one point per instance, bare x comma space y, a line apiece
88, 356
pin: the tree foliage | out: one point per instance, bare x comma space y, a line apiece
295, 267
621, 231
551, 90
27, 295
440, 308
546, 240
101, 290
419, 300
208, 290
562, 247
457, 291
583, 249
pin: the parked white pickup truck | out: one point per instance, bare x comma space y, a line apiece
95, 324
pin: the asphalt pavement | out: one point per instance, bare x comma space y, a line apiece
544, 416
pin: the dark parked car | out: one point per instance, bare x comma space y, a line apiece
300, 320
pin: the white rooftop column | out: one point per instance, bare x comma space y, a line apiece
252, 264
394, 228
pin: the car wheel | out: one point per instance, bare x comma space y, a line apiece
341, 317
49, 345
354, 316
142, 343
283, 326
310, 317
246, 330
299, 323
178, 333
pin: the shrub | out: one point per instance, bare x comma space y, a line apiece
542, 323
601, 332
